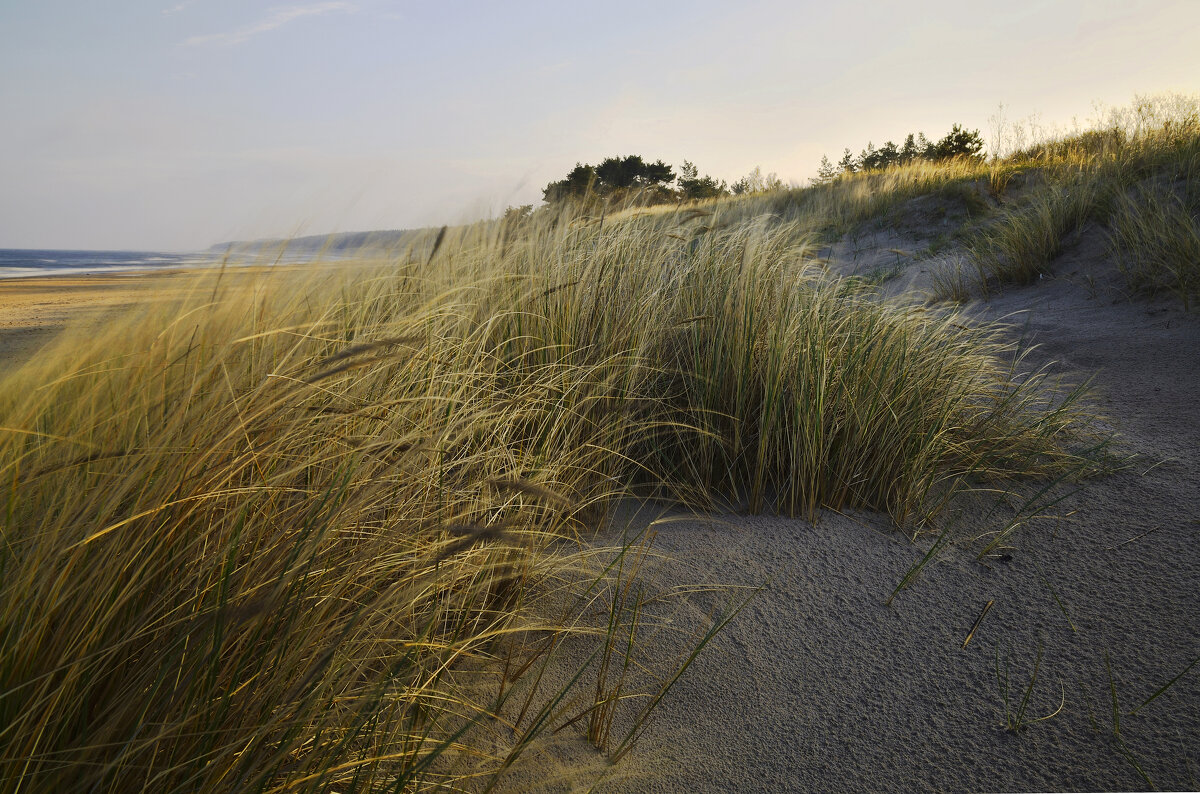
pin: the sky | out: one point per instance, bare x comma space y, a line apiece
176, 124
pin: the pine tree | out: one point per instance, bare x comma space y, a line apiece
889, 154
960, 143
846, 164
694, 186
618, 173
827, 172
926, 149
579, 182
869, 159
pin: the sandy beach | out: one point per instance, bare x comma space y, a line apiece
596, 397
33, 310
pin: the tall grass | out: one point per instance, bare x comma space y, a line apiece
1019, 247
854, 198
1101, 176
273, 537
249, 551
1154, 234
814, 394
773, 384
838, 206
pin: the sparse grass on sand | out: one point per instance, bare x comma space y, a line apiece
298, 535
1136, 175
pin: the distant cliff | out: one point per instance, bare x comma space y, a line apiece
340, 244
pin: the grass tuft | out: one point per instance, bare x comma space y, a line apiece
1016, 718
1154, 236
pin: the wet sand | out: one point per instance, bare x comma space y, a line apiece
33, 310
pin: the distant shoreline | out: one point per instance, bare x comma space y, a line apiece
48, 263
49, 271
99, 272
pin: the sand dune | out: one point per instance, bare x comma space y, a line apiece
818, 685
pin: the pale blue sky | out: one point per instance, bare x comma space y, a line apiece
169, 124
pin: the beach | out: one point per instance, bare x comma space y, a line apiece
599, 397
34, 309
1058, 662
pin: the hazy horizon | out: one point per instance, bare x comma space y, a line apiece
176, 125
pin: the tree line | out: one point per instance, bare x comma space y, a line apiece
956, 143
656, 182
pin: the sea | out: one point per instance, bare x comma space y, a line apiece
17, 262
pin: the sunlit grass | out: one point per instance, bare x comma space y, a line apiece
1020, 246
1112, 176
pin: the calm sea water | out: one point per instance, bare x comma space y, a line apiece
15, 262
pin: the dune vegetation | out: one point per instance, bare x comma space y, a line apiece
311, 530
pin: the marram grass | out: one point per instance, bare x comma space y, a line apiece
1133, 176
1154, 233
288, 534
